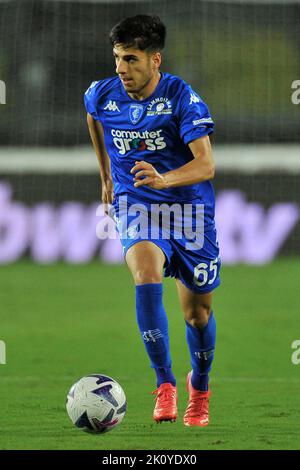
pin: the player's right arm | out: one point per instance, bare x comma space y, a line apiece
97, 137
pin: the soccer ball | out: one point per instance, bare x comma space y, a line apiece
96, 403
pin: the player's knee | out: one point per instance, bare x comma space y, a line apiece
146, 276
198, 316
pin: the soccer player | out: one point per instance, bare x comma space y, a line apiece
150, 132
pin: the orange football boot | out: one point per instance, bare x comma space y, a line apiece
197, 412
166, 403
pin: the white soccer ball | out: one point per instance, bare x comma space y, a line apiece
96, 403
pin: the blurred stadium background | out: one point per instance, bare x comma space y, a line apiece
243, 58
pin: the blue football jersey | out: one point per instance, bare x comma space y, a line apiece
157, 130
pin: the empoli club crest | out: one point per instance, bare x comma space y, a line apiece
135, 113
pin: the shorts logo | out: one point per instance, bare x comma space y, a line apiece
159, 106
132, 232
135, 113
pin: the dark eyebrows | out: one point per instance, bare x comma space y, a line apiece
127, 56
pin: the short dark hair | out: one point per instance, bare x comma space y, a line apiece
144, 32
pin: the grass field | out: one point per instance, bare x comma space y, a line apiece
62, 322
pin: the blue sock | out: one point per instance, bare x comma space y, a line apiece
201, 345
153, 324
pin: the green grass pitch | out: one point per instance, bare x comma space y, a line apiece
61, 322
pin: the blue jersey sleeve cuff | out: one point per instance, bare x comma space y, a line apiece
197, 134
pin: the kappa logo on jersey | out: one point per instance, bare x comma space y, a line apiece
135, 113
111, 106
194, 98
140, 141
91, 87
159, 106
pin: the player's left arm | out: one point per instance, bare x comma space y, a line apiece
202, 168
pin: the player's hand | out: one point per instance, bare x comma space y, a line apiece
146, 175
107, 194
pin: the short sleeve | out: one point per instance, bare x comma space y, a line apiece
194, 117
90, 100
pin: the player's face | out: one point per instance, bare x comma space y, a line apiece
135, 68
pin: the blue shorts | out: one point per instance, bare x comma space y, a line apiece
191, 255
